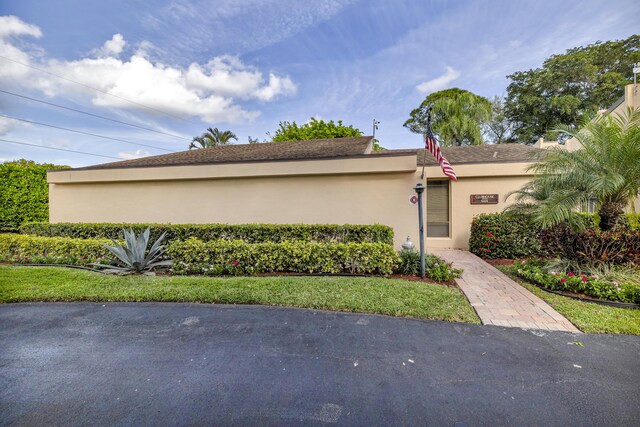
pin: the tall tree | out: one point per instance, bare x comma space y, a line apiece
457, 116
24, 193
498, 129
606, 169
569, 86
315, 129
212, 138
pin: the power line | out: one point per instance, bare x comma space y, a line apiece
59, 149
97, 90
83, 132
93, 115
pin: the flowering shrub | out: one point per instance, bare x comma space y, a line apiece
592, 246
217, 257
25, 249
576, 282
503, 235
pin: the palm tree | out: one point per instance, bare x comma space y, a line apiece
212, 138
606, 169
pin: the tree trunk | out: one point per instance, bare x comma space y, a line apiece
611, 215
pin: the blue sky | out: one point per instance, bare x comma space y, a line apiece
245, 65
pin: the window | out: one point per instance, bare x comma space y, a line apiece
438, 208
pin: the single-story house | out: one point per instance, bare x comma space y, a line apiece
335, 181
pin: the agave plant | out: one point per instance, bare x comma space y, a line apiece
134, 255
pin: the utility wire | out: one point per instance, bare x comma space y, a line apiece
59, 149
83, 132
97, 90
93, 115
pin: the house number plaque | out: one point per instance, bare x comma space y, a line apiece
484, 199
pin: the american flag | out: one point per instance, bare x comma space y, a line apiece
432, 147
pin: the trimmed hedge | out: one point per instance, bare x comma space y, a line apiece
25, 249
24, 193
503, 235
249, 233
216, 257
235, 257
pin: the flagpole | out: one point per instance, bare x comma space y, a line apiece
420, 189
424, 157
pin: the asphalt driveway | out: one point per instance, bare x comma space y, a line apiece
189, 364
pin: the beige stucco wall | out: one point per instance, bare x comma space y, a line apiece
356, 191
476, 179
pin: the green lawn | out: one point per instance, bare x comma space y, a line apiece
356, 294
588, 317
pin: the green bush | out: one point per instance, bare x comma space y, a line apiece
592, 220
249, 233
593, 246
24, 193
504, 235
577, 282
435, 268
195, 256
25, 249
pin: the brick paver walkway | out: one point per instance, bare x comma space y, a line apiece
498, 300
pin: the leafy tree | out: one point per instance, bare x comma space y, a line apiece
456, 116
569, 86
315, 129
212, 138
24, 193
498, 129
606, 169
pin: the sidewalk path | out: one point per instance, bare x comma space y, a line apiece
498, 300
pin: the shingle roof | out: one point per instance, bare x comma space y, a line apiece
501, 153
294, 150
324, 149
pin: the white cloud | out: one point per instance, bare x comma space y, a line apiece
112, 47
439, 83
208, 91
14, 26
277, 86
6, 125
135, 154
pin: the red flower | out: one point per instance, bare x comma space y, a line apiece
584, 279
489, 234
571, 274
564, 279
234, 262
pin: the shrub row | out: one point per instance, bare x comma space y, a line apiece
503, 235
578, 283
507, 235
249, 233
52, 250
216, 257
195, 256
591, 246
